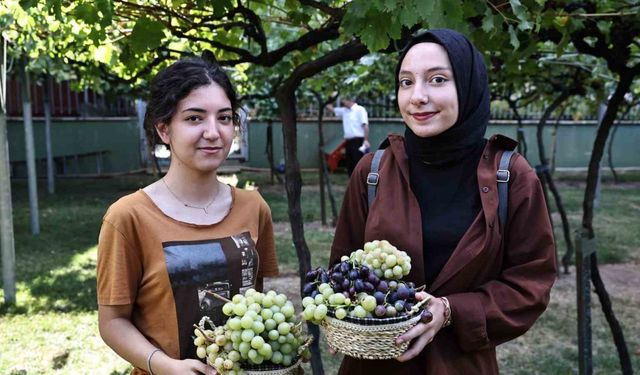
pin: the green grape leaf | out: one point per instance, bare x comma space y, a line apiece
147, 34
513, 38
86, 12
104, 6
26, 4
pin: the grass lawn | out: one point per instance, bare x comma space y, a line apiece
53, 328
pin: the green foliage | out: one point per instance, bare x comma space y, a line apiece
147, 34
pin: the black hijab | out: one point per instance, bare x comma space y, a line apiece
470, 77
443, 168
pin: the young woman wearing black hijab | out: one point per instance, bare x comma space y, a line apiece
437, 199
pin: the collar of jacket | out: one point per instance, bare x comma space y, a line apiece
487, 168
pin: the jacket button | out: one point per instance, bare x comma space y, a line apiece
485, 189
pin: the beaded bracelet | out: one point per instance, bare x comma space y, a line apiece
446, 312
154, 351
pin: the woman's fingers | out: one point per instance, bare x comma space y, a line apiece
416, 347
416, 331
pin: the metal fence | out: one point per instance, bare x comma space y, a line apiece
66, 102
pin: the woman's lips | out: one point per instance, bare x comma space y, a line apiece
423, 116
210, 150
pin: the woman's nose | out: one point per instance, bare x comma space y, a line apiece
211, 129
419, 95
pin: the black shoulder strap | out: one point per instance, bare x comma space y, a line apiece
373, 177
502, 176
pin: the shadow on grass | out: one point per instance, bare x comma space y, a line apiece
55, 270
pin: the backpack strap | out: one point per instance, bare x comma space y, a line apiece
373, 177
502, 176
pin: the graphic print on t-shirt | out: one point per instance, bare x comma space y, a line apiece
198, 269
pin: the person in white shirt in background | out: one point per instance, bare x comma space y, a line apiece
355, 124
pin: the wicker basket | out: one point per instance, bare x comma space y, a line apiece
368, 338
275, 370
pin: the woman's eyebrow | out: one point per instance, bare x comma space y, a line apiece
433, 69
194, 109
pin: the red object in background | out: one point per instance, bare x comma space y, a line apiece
334, 156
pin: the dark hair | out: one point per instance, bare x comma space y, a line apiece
176, 82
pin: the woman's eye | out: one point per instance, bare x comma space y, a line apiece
193, 118
405, 82
439, 80
225, 119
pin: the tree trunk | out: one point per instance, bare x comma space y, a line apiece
7, 245
543, 169
522, 142
285, 96
613, 134
626, 78
30, 148
47, 82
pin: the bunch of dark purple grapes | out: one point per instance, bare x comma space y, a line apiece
356, 282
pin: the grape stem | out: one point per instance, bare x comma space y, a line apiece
421, 288
216, 295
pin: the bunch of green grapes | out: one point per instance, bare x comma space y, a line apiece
261, 329
383, 259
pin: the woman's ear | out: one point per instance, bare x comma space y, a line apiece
164, 133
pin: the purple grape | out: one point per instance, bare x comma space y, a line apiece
359, 285
311, 276
403, 292
411, 284
373, 279
364, 272
344, 267
408, 306
308, 288
314, 293
399, 305
380, 311
352, 291
353, 275
426, 316
383, 286
337, 288
368, 287
392, 297
379, 297
346, 284
337, 277
336, 267
393, 284
324, 278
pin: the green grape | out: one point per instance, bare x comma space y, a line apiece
201, 352
257, 342
240, 309
227, 308
277, 358
258, 327
247, 335
273, 334
279, 317
270, 324
369, 303
246, 322
284, 328
306, 301
341, 313
360, 312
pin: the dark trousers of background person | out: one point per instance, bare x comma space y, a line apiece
352, 153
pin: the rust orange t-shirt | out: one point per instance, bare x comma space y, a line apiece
168, 269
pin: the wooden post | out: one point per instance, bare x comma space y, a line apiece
585, 246
7, 244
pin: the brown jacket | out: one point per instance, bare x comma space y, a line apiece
496, 292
